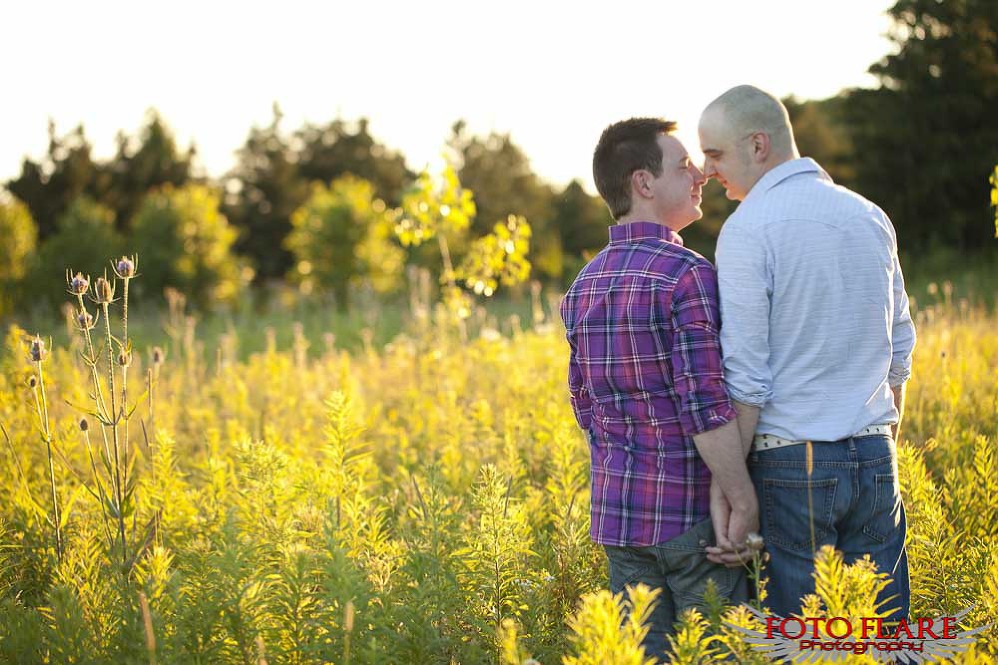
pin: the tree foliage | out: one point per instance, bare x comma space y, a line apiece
499, 173
142, 163
18, 237
185, 242
343, 236
49, 186
327, 152
84, 239
928, 135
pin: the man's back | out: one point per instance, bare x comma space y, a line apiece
645, 376
820, 345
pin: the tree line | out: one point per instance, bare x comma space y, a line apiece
922, 145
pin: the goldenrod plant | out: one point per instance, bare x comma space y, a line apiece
422, 502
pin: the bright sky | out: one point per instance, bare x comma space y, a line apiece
552, 73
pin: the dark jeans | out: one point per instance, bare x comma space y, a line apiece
851, 501
679, 567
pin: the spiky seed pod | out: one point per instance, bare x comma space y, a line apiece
84, 425
125, 267
103, 291
84, 320
78, 284
37, 350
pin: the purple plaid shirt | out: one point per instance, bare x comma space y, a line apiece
645, 375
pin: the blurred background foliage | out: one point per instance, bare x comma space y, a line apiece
922, 145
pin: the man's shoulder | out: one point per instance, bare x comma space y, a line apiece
650, 258
673, 261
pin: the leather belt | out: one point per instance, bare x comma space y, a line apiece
771, 441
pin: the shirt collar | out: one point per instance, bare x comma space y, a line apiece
778, 174
635, 231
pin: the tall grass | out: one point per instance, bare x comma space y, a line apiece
421, 501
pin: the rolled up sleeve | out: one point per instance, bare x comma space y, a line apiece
902, 332
696, 353
582, 403
745, 286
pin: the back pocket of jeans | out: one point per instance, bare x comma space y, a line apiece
885, 518
796, 509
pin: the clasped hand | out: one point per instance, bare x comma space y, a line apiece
736, 528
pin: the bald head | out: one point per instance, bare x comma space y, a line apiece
743, 134
746, 109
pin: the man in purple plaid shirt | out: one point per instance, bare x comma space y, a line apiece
646, 384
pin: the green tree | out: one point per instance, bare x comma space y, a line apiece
184, 241
18, 237
582, 223
343, 236
326, 152
142, 163
85, 241
928, 134
499, 173
49, 187
262, 192
821, 133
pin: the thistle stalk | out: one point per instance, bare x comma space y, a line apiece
102, 495
78, 286
41, 404
125, 270
120, 494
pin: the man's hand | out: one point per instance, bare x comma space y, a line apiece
720, 513
735, 527
734, 507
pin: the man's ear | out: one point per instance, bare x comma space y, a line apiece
640, 183
761, 146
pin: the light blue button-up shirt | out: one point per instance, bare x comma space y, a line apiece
815, 327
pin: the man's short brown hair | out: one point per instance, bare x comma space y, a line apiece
625, 147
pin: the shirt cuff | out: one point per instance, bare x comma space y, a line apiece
896, 377
710, 419
756, 399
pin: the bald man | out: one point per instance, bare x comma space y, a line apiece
817, 342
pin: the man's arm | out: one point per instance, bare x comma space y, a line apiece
899, 394
902, 345
705, 410
720, 449
582, 404
748, 420
745, 287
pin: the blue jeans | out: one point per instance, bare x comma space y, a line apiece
680, 568
852, 501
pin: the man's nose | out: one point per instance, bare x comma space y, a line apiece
708, 170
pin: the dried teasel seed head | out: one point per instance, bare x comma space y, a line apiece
125, 358
78, 284
84, 320
125, 267
157, 355
32, 382
84, 425
37, 350
103, 291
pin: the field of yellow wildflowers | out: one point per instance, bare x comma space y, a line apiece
425, 502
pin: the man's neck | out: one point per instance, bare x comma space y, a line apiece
643, 216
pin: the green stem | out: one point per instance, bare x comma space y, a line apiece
98, 391
41, 403
120, 498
